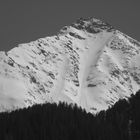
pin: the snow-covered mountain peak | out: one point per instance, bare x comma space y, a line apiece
92, 25
89, 25
88, 63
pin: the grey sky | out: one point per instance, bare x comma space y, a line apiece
22, 21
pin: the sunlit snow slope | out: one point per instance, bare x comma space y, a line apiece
88, 63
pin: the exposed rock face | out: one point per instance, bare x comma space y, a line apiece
88, 63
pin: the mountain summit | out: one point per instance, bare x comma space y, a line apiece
88, 63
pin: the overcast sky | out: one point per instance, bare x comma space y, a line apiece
22, 21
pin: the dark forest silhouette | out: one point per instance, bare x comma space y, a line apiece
66, 122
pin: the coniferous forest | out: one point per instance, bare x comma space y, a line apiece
65, 122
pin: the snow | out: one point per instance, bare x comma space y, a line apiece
88, 63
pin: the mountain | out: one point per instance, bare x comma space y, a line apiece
89, 63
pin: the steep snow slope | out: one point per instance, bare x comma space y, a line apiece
88, 63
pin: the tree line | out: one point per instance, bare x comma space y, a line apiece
67, 122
